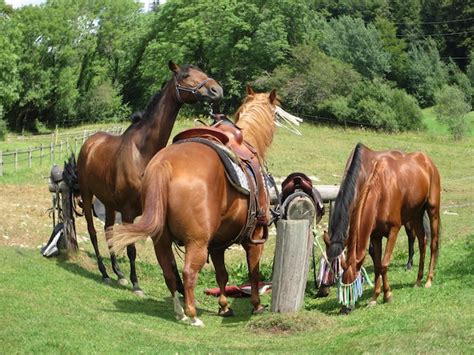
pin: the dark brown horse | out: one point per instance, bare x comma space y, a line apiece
397, 191
187, 197
111, 167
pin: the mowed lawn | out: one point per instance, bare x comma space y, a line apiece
61, 305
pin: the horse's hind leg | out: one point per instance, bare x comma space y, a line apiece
409, 229
87, 208
108, 228
222, 277
433, 213
420, 233
254, 252
196, 256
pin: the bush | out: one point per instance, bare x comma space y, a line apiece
451, 109
378, 105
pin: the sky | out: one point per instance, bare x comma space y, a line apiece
19, 3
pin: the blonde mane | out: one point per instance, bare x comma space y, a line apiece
256, 118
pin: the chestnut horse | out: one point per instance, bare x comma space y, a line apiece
187, 198
397, 191
111, 167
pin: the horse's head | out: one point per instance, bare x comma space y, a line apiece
193, 85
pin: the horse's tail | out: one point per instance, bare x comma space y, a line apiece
341, 213
155, 204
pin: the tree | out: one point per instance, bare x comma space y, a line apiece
353, 42
451, 109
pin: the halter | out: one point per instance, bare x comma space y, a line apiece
192, 90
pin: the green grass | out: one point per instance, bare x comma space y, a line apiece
61, 306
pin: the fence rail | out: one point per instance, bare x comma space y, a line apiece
56, 149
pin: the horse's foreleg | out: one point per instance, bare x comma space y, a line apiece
222, 277
108, 228
376, 254
392, 238
87, 208
128, 217
254, 252
196, 256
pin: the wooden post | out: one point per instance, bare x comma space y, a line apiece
41, 154
16, 159
290, 265
1, 163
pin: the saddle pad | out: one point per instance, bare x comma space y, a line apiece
233, 170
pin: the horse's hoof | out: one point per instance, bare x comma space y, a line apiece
181, 317
388, 298
428, 284
259, 310
122, 282
228, 313
323, 292
417, 284
106, 280
371, 304
408, 267
139, 292
196, 322
345, 310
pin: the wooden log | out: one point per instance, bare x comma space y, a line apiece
328, 192
290, 266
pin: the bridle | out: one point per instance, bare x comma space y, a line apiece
193, 90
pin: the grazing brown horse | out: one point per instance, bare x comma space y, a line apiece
397, 191
187, 198
356, 173
111, 167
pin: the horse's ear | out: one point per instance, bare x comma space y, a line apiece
273, 96
173, 67
249, 90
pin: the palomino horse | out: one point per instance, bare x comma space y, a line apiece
111, 167
397, 191
187, 198
356, 173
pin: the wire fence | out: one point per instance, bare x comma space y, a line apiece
60, 146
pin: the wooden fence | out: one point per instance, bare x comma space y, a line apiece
60, 147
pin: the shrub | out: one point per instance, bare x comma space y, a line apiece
451, 108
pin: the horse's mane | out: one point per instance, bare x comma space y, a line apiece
372, 185
256, 118
341, 213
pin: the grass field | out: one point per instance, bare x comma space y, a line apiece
61, 306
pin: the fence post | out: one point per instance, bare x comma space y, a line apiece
29, 157
16, 159
41, 154
1, 163
84, 136
51, 152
